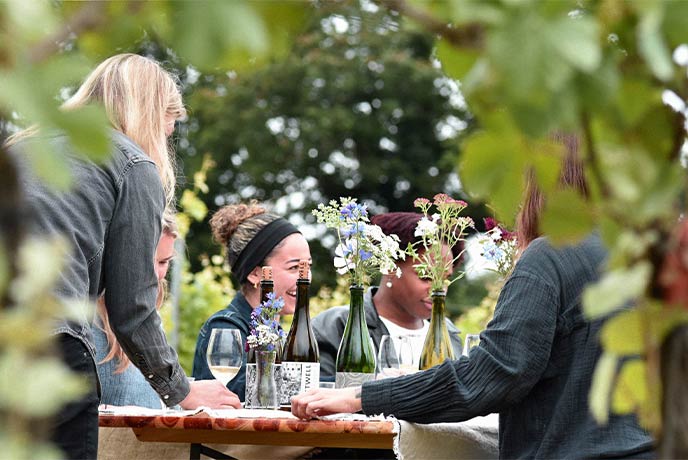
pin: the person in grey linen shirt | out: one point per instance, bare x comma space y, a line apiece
533, 366
111, 218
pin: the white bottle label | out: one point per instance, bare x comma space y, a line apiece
352, 379
298, 378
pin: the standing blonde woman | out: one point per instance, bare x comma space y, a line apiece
112, 217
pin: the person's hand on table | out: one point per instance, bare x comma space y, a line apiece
210, 393
320, 401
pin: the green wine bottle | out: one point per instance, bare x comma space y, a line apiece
301, 358
437, 346
356, 355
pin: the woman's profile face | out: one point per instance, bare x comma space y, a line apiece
284, 261
164, 255
410, 292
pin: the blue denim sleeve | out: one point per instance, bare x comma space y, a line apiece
201, 371
132, 285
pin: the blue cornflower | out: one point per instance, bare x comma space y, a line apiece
354, 211
353, 229
365, 255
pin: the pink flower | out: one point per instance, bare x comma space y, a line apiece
441, 198
420, 202
490, 223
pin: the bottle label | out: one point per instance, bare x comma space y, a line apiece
298, 378
352, 379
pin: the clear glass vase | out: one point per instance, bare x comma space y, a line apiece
267, 395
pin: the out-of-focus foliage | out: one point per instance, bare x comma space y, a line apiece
358, 108
46, 48
604, 71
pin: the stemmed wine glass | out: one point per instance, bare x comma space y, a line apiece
225, 354
395, 357
472, 340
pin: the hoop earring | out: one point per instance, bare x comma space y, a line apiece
388, 283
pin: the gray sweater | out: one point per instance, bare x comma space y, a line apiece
533, 366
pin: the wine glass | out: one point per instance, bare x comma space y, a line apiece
225, 354
472, 340
395, 357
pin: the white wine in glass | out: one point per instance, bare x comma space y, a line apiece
225, 354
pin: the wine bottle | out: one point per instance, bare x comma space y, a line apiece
437, 347
267, 286
301, 358
356, 355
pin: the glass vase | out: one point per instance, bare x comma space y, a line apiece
437, 347
267, 395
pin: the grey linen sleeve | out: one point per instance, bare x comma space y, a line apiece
512, 355
132, 285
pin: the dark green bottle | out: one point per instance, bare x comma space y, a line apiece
356, 355
301, 357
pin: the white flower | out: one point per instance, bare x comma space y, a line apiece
426, 227
343, 257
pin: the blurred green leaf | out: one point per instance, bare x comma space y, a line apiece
31, 398
575, 39
488, 12
674, 25
631, 387
455, 64
567, 217
31, 21
493, 165
651, 44
616, 288
601, 386
623, 334
88, 130
636, 96
209, 34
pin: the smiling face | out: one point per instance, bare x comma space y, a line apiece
284, 261
411, 294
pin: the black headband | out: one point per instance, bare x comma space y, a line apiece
260, 246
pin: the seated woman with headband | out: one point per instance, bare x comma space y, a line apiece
252, 238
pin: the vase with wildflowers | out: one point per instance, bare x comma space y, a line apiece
439, 230
265, 338
362, 249
498, 246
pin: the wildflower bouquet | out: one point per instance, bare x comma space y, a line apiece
265, 332
362, 247
498, 246
443, 227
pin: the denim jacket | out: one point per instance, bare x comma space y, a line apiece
111, 218
328, 327
237, 315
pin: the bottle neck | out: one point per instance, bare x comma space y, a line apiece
438, 304
302, 299
266, 287
356, 302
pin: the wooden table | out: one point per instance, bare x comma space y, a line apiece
201, 428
